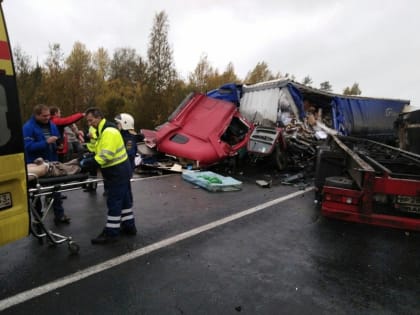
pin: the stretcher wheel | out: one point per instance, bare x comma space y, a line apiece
73, 247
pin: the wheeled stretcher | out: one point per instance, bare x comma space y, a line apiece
41, 191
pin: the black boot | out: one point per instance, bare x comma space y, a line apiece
62, 220
131, 231
104, 238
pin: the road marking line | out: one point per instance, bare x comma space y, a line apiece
32, 293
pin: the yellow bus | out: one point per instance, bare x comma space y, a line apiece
14, 209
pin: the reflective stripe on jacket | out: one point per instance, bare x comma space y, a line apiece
110, 149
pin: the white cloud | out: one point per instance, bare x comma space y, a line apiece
371, 42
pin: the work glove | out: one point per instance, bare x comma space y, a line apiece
86, 155
88, 164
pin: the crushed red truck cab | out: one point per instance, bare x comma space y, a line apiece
203, 131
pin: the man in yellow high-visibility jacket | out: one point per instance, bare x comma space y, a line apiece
111, 156
91, 139
90, 142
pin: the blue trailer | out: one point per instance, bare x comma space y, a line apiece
350, 115
284, 103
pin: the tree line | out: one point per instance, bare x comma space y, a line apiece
149, 88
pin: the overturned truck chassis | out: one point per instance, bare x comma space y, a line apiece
369, 182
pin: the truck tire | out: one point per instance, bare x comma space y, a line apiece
339, 182
279, 158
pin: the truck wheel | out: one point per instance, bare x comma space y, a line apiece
73, 247
339, 182
279, 158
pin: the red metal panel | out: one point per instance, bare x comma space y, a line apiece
358, 213
340, 206
397, 222
396, 186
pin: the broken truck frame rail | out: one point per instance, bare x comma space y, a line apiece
364, 181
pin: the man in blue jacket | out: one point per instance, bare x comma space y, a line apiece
41, 137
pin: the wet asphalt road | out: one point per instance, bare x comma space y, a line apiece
283, 259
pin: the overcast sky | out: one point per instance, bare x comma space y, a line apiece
374, 43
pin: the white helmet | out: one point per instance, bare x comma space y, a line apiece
126, 121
